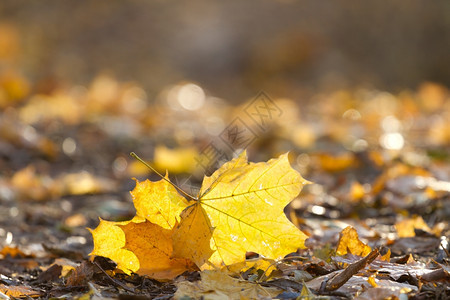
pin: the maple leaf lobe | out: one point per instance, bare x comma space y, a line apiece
242, 204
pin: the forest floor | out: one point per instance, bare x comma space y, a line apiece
379, 162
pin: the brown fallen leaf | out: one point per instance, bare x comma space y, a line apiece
216, 284
436, 275
358, 283
50, 275
394, 172
415, 245
19, 291
394, 270
81, 274
385, 289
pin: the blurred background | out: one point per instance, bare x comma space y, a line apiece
232, 48
357, 91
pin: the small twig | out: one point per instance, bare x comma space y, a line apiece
115, 281
340, 279
445, 250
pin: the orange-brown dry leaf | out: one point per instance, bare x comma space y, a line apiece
14, 87
81, 274
406, 227
44, 108
32, 186
395, 171
11, 251
336, 163
144, 244
19, 291
240, 209
9, 42
139, 246
357, 191
349, 243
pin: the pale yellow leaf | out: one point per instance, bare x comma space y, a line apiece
240, 209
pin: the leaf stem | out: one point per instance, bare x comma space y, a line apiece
134, 155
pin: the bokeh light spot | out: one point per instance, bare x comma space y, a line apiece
191, 96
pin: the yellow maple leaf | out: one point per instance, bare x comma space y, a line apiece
240, 209
139, 246
144, 244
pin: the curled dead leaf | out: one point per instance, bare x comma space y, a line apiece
349, 242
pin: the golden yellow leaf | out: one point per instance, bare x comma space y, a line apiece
371, 280
83, 183
387, 256
336, 163
357, 191
406, 227
349, 243
139, 246
136, 168
180, 160
33, 186
306, 293
240, 209
158, 202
